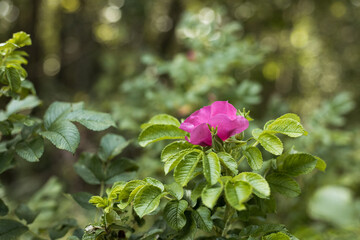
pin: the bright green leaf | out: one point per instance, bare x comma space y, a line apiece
237, 193
271, 143
147, 200
254, 157
276, 236
320, 164
174, 148
290, 115
175, 190
174, 160
161, 119
283, 184
156, 133
184, 170
210, 194
212, 168
286, 126
174, 214
259, 184
228, 161
21, 39
154, 182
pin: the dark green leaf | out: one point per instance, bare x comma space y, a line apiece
175, 190
6, 161
174, 214
11, 230
184, 170
95, 121
259, 230
82, 198
58, 111
3, 208
298, 164
277, 236
202, 217
27, 103
13, 77
283, 184
111, 145
121, 169
89, 168
60, 229
31, 151
24, 212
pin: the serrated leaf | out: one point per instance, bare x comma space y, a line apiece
271, 143
276, 236
174, 148
210, 194
228, 161
174, 160
13, 78
211, 167
15, 106
154, 182
11, 230
82, 198
111, 145
4, 210
156, 133
175, 190
174, 214
256, 132
254, 157
298, 164
258, 183
58, 111
31, 151
162, 119
147, 200
237, 193
95, 121
129, 188
64, 135
184, 170
202, 217
286, 126
89, 168
283, 184
290, 115
320, 164
21, 39
24, 212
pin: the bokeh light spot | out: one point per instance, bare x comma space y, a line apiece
70, 6
206, 15
299, 38
164, 23
338, 9
111, 14
271, 70
51, 65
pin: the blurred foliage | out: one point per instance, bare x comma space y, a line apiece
138, 58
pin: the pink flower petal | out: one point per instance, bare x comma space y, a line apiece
227, 127
198, 117
223, 107
201, 135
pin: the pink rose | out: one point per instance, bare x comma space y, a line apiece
220, 114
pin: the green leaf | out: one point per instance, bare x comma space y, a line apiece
210, 194
89, 168
174, 160
174, 214
6, 161
120, 169
95, 121
175, 190
286, 126
298, 164
31, 151
259, 230
13, 77
156, 133
276, 236
271, 143
82, 198
154, 182
64, 135
4, 210
228, 161
202, 217
237, 193
161, 119
320, 164
283, 184
290, 115
184, 170
147, 200
21, 39
24, 212
58, 111
15, 106
254, 157
111, 145
212, 168
196, 192
11, 230
129, 191
60, 229
256, 132
259, 184
174, 148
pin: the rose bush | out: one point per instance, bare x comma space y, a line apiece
220, 115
